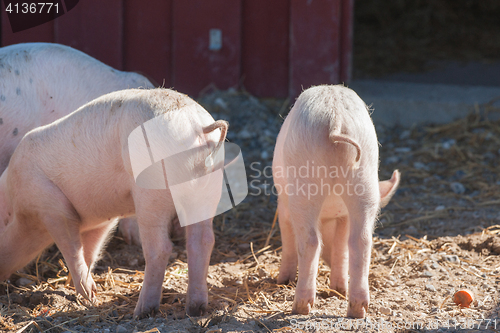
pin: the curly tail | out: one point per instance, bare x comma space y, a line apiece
219, 124
338, 138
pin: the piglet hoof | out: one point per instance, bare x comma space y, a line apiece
302, 307
357, 310
196, 301
285, 277
196, 309
4, 277
88, 290
143, 312
338, 292
281, 280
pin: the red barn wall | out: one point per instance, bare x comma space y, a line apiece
265, 47
147, 44
269, 48
194, 65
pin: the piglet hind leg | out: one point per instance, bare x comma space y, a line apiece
289, 259
304, 214
199, 243
157, 248
362, 216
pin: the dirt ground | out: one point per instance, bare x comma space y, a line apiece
437, 236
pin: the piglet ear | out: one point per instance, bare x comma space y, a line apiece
219, 124
388, 188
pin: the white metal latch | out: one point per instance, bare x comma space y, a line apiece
215, 43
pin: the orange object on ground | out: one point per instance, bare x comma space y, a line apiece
463, 298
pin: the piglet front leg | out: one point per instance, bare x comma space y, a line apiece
289, 257
199, 242
335, 234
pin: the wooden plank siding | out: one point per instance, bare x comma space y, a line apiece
96, 28
314, 43
265, 47
346, 39
194, 65
269, 48
148, 39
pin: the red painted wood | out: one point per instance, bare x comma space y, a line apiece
314, 43
275, 48
41, 33
195, 66
265, 47
346, 40
94, 27
148, 39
